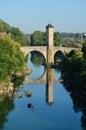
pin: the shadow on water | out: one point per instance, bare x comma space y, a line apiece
78, 96
6, 107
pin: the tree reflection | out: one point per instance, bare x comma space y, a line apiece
79, 101
7, 102
5, 107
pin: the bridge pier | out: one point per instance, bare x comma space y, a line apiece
50, 56
49, 85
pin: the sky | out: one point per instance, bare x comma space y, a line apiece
32, 15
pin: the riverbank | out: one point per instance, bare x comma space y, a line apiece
8, 89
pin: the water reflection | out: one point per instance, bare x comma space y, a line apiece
48, 78
42, 76
39, 67
6, 107
49, 86
61, 116
78, 97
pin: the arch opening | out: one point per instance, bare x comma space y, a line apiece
58, 57
36, 61
37, 58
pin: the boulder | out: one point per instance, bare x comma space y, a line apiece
19, 96
28, 93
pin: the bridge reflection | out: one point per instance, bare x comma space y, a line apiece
48, 78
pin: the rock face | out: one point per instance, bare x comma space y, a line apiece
6, 90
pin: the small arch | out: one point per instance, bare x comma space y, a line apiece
58, 56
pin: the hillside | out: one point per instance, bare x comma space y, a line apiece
15, 33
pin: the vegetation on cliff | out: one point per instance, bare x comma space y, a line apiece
12, 59
15, 33
74, 67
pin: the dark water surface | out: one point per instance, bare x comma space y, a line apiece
51, 106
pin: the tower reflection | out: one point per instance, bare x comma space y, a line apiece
49, 86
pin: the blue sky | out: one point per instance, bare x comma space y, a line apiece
32, 15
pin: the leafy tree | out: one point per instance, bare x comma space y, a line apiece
15, 33
83, 72
84, 49
72, 64
77, 35
18, 36
11, 59
38, 38
4, 27
58, 39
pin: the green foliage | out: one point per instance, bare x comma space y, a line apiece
38, 38
58, 39
15, 33
18, 36
11, 59
77, 35
71, 65
74, 67
4, 27
84, 49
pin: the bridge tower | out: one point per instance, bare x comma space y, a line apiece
49, 43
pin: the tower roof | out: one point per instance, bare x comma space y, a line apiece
49, 26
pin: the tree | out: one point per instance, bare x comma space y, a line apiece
18, 36
4, 27
11, 59
77, 35
38, 38
57, 39
84, 49
15, 33
72, 64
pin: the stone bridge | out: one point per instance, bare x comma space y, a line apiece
44, 50
27, 49
49, 50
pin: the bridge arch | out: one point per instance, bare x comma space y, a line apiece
58, 55
41, 80
47, 52
42, 49
35, 56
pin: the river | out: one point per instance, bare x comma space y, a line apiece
51, 105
